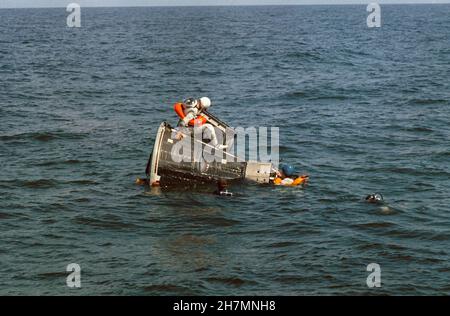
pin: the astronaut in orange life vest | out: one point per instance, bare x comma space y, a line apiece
286, 176
190, 115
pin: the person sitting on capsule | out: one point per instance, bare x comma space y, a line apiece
190, 114
287, 176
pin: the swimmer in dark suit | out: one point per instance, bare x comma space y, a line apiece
222, 190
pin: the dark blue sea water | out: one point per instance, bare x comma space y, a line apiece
360, 110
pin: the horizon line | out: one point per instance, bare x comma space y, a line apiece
230, 5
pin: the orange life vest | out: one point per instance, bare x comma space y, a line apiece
179, 109
298, 181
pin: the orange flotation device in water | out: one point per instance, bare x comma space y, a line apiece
291, 182
179, 109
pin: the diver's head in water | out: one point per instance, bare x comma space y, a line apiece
141, 181
374, 198
222, 185
287, 171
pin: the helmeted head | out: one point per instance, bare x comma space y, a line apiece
205, 102
288, 170
190, 103
374, 198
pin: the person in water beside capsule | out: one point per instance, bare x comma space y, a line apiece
287, 176
374, 198
142, 181
222, 188
377, 200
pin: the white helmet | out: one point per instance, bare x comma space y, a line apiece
190, 103
205, 102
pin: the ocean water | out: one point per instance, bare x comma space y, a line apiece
360, 110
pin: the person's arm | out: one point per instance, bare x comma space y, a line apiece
190, 116
178, 108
